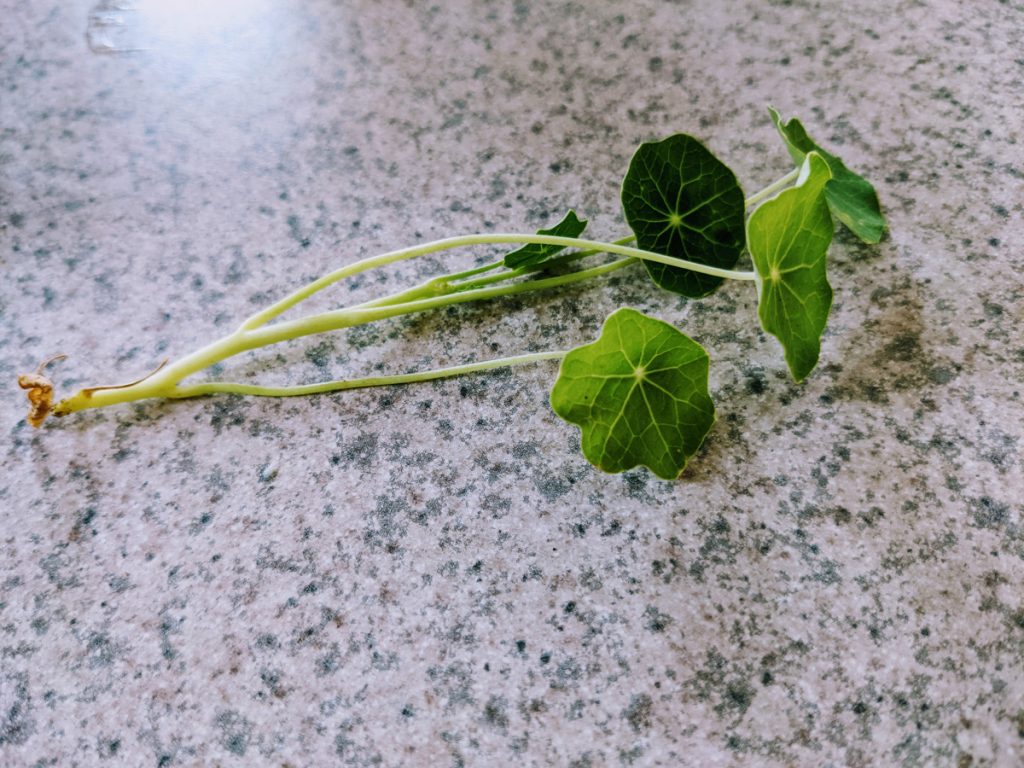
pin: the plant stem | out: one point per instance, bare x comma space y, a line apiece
467, 273
772, 188
254, 332
446, 284
264, 316
161, 383
543, 266
346, 318
228, 387
164, 383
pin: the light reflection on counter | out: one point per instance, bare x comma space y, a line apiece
234, 37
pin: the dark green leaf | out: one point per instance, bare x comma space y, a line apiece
788, 237
534, 253
682, 201
851, 198
639, 394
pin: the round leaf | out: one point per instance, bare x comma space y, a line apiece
682, 201
639, 394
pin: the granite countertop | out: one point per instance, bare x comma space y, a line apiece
432, 575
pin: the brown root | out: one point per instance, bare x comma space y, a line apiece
40, 392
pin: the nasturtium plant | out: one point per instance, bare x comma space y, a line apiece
851, 198
683, 201
788, 237
640, 392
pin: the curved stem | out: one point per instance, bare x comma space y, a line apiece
446, 284
251, 335
543, 266
228, 387
264, 316
346, 318
165, 382
467, 273
162, 382
772, 188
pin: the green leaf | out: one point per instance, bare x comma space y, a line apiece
639, 394
851, 198
534, 253
682, 201
788, 237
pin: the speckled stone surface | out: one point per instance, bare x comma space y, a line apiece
432, 575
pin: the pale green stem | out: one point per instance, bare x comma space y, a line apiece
446, 284
228, 387
467, 273
544, 265
346, 318
164, 383
772, 188
254, 333
161, 383
262, 317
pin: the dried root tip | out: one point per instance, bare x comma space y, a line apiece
40, 392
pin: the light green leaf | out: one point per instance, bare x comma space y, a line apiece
851, 198
788, 237
682, 201
639, 394
532, 254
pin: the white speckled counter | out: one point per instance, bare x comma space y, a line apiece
432, 575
